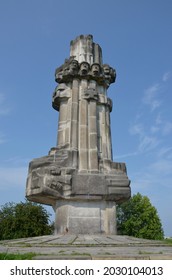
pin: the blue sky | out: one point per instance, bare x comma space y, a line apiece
136, 40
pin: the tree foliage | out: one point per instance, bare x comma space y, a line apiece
23, 220
138, 218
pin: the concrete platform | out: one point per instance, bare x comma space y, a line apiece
93, 247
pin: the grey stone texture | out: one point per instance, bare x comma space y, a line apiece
78, 177
89, 246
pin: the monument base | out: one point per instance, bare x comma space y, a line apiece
85, 217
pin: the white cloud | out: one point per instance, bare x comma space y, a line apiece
151, 134
150, 97
136, 129
166, 76
167, 128
165, 152
147, 141
153, 174
163, 126
126, 155
158, 119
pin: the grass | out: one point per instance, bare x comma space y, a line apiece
168, 241
73, 253
148, 253
8, 256
61, 251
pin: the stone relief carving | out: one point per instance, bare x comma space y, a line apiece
109, 74
62, 92
95, 69
51, 177
90, 93
73, 67
102, 74
84, 68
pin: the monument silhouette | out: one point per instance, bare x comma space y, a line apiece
78, 177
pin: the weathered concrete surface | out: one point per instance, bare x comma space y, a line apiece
79, 172
89, 247
81, 166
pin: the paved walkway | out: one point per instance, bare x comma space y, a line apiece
88, 247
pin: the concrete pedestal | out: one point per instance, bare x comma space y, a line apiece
85, 217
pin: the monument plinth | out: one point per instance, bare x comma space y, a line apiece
78, 177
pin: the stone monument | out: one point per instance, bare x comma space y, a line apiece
78, 177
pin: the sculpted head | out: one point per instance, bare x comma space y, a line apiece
106, 69
58, 74
60, 89
113, 74
95, 69
109, 73
73, 65
84, 68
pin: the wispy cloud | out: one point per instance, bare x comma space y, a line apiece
162, 125
167, 129
151, 129
150, 97
150, 134
166, 76
165, 152
137, 128
147, 141
126, 155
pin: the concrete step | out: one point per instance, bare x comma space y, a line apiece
91, 247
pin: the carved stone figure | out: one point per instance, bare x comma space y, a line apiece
73, 67
84, 68
95, 69
78, 177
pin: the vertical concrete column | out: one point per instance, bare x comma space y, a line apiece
85, 217
103, 131
73, 122
108, 135
83, 129
99, 137
68, 122
62, 123
74, 119
92, 131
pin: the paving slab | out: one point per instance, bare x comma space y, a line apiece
89, 247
